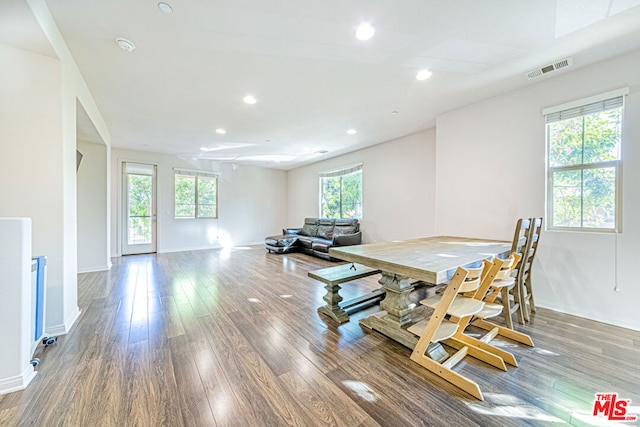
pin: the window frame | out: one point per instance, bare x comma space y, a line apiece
342, 172
196, 175
602, 165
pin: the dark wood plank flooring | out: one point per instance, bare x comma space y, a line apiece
232, 337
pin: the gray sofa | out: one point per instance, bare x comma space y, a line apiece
316, 236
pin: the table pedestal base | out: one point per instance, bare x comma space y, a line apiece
383, 323
399, 313
396, 303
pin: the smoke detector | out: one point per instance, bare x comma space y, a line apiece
549, 68
126, 45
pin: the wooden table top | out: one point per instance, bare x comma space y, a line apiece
428, 259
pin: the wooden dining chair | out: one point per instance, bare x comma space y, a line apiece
453, 309
499, 269
519, 245
494, 272
525, 291
428, 352
500, 289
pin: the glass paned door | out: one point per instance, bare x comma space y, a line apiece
139, 216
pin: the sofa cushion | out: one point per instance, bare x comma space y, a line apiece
281, 241
325, 228
345, 226
321, 245
310, 227
306, 241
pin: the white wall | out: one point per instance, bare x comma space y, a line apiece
38, 98
93, 215
62, 307
15, 304
398, 188
251, 204
491, 170
31, 164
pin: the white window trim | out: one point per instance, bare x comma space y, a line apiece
589, 100
616, 164
344, 170
196, 174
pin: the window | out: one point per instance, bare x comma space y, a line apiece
583, 166
341, 193
196, 194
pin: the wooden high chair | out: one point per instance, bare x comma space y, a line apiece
429, 353
502, 281
499, 288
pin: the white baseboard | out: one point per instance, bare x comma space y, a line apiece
203, 248
94, 269
17, 383
588, 315
63, 329
195, 248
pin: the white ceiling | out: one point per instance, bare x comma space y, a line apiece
313, 79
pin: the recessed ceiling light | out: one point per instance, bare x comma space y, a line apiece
365, 31
423, 74
166, 8
249, 99
221, 131
126, 45
352, 132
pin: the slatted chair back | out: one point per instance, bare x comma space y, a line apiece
501, 285
525, 289
521, 236
472, 282
519, 245
508, 266
486, 293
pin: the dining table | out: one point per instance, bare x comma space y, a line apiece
404, 262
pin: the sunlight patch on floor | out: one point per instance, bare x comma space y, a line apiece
503, 344
254, 300
505, 405
362, 390
288, 264
544, 352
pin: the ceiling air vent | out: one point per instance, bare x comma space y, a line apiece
549, 68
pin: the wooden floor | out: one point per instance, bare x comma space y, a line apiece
232, 337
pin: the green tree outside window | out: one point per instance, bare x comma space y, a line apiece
341, 195
196, 196
584, 156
